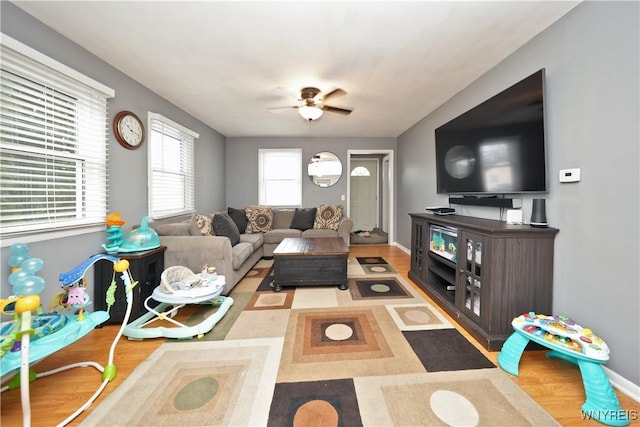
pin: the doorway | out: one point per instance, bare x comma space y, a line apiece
370, 190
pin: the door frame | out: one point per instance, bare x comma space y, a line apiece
389, 204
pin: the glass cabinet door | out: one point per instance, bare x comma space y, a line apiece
418, 261
470, 268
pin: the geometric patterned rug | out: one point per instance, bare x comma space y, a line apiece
375, 265
375, 354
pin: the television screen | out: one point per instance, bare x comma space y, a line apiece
497, 147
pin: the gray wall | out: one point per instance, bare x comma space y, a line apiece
127, 169
242, 178
591, 58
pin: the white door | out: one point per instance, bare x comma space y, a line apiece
364, 194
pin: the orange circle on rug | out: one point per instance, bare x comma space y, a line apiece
316, 413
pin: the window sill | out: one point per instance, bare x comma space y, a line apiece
50, 235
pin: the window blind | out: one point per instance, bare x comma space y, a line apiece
53, 150
171, 162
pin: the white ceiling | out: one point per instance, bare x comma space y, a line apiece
223, 61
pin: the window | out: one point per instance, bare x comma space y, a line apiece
171, 174
360, 171
280, 177
53, 146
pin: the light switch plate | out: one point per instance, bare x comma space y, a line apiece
569, 175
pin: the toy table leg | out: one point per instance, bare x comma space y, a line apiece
602, 403
509, 357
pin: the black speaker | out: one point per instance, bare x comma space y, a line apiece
538, 215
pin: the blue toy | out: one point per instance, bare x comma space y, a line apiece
580, 346
141, 239
34, 335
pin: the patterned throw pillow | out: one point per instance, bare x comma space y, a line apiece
201, 225
328, 217
259, 219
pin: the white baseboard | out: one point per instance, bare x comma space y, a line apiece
402, 248
624, 385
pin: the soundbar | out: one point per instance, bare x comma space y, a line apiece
495, 202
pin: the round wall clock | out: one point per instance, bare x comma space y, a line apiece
128, 130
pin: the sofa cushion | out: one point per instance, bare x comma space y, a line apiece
276, 236
200, 225
256, 240
259, 219
223, 225
317, 232
240, 253
303, 219
282, 218
328, 217
172, 229
239, 216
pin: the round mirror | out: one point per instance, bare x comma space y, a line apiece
325, 169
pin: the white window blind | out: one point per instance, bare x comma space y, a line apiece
53, 144
280, 177
171, 169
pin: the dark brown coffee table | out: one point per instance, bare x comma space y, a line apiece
299, 261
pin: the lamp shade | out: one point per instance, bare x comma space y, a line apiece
310, 113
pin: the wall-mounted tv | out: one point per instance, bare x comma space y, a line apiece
497, 147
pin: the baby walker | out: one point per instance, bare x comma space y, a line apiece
180, 286
34, 335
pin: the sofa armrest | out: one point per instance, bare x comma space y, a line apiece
194, 252
344, 228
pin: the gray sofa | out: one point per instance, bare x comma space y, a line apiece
188, 247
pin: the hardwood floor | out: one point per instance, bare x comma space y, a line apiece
555, 384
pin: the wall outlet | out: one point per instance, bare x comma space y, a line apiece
569, 175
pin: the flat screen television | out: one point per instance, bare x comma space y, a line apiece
497, 147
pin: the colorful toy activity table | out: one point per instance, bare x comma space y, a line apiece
169, 305
569, 341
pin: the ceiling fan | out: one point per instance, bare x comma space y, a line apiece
313, 103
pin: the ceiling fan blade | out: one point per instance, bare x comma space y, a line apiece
330, 109
336, 93
286, 93
281, 109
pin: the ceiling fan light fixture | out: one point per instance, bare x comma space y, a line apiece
310, 113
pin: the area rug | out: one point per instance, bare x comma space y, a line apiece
375, 265
377, 354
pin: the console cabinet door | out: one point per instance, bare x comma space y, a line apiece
420, 249
471, 283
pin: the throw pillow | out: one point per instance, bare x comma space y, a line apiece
200, 225
223, 225
239, 216
328, 217
259, 219
303, 219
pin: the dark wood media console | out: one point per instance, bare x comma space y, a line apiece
483, 272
